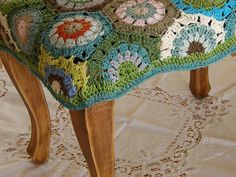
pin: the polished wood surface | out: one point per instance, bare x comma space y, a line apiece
94, 128
0, 63
32, 94
199, 82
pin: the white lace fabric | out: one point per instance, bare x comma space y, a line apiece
161, 130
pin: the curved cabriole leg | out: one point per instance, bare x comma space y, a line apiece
31, 147
199, 82
0, 63
94, 128
32, 94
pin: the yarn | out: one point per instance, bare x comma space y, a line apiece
219, 9
88, 51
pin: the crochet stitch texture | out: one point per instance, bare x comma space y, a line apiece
88, 51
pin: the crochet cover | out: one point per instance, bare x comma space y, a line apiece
88, 51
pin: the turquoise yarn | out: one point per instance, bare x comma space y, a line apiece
104, 96
230, 25
125, 52
204, 34
82, 52
36, 16
218, 13
85, 57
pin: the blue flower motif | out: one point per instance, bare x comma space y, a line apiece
219, 13
124, 53
68, 80
194, 38
61, 82
72, 91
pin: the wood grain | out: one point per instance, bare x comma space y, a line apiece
0, 63
32, 94
199, 82
94, 129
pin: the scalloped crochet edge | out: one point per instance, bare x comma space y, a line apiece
118, 93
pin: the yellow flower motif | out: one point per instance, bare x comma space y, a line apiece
78, 71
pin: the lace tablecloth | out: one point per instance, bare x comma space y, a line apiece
151, 122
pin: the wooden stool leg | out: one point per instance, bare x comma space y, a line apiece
199, 82
32, 144
94, 128
32, 94
0, 63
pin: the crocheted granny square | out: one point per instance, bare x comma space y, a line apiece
88, 51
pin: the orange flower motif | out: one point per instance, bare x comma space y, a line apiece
73, 29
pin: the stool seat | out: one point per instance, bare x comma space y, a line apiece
88, 51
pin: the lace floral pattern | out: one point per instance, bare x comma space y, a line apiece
3, 84
172, 161
200, 114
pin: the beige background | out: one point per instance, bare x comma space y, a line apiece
161, 129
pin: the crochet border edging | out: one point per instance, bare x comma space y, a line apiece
118, 93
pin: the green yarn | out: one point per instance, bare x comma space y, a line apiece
207, 4
113, 41
172, 62
2, 43
94, 93
129, 44
196, 57
156, 29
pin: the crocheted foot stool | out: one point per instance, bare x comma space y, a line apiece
90, 52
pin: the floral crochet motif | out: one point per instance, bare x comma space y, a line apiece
192, 39
65, 80
219, 9
141, 13
124, 53
192, 34
89, 51
151, 16
76, 34
24, 26
61, 82
122, 61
